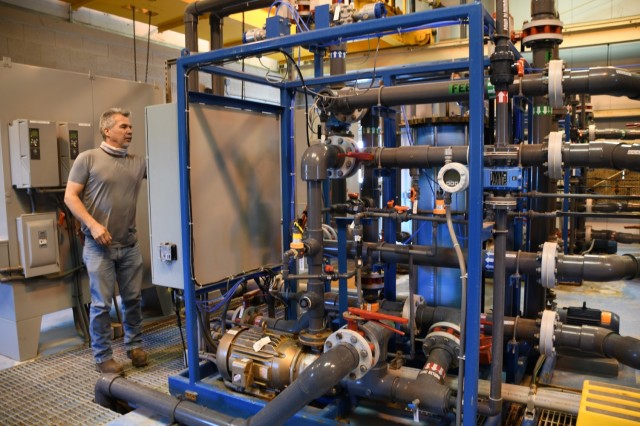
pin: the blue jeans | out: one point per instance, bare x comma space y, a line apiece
106, 266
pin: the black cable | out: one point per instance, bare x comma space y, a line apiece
306, 92
176, 308
146, 71
135, 60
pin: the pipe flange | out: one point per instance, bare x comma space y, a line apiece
417, 301
548, 265
542, 30
548, 325
345, 145
556, 70
345, 336
351, 116
592, 132
554, 155
444, 335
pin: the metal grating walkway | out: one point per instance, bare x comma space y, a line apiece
58, 389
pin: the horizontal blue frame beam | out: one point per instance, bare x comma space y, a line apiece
336, 34
226, 72
205, 98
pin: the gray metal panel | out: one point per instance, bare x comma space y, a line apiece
38, 238
34, 154
236, 191
164, 192
71, 136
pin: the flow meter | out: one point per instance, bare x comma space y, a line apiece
453, 177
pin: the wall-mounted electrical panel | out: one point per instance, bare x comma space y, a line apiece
34, 154
70, 138
38, 243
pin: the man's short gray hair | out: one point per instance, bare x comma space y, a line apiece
107, 119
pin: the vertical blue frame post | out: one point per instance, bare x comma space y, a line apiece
189, 286
474, 270
288, 176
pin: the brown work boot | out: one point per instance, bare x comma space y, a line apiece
138, 357
110, 366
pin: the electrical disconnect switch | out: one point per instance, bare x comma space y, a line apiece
168, 252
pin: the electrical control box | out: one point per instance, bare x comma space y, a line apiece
34, 154
38, 244
70, 138
503, 178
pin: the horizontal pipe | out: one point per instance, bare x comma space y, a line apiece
534, 194
544, 398
624, 349
602, 154
599, 268
615, 207
112, 387
621, 237
626, 134
594, 81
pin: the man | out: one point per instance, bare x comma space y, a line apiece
101, 192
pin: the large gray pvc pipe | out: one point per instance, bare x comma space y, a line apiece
603, 154
621, 237
594, 81
599, 268
316, 380
615, 207
111, 387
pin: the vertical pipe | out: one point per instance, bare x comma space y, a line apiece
287, 177
541, 229
215, 23
314, 259
499, 284
389, 193
476, 142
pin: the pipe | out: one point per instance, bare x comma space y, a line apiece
624, 349
626, 134
544, 398
615, 207
599, 268
595, 81
605, 154
316, 380
621, 237
499, 289
112, 387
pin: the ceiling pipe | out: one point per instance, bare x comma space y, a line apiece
219, 9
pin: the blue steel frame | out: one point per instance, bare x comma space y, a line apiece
479, 21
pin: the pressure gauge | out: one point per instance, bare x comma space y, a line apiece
453, 177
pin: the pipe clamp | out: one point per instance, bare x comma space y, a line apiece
547, 331
548, 265
554, 152
556, 70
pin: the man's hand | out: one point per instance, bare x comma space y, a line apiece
100, 234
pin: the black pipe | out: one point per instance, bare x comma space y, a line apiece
112, 387
626, 134
624, 349
605, 154
288, 326
535, 194
621, 237
595, 81
615, 207
312, 383
599, 268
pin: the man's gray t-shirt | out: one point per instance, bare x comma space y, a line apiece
111, 187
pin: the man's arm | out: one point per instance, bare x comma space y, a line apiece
72, 199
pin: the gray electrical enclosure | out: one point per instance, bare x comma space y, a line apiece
38, 242
34, 154
71, 136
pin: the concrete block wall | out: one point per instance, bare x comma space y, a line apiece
33, 38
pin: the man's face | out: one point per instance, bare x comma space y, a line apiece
120, 134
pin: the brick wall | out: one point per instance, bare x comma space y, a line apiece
33, 38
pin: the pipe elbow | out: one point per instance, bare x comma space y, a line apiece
624, 349
102, 390
316, 159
